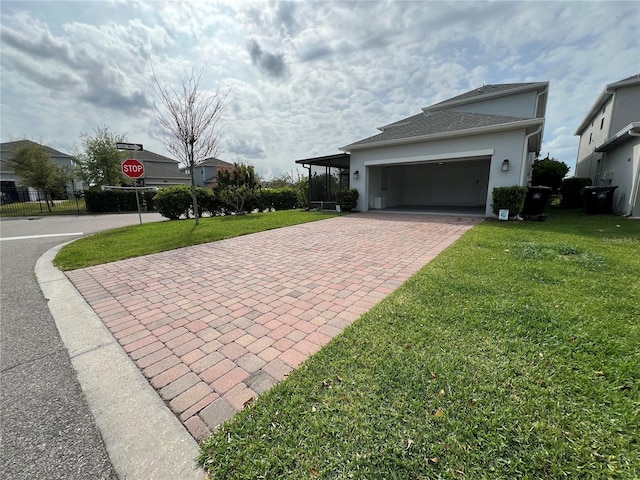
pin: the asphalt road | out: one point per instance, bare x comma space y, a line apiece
46, 428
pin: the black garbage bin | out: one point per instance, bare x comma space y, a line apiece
598, 200
536, 200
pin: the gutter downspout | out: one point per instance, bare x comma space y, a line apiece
526, 138
525, 152
636, 184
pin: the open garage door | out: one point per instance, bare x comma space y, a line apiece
451, 183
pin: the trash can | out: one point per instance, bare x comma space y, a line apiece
536, 200
598, 200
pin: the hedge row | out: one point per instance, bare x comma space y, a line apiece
118, 201
176, 200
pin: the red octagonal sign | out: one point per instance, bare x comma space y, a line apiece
133, 168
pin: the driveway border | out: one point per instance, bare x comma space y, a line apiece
143, 438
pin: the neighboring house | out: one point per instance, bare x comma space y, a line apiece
206, 173
451, 155
10, 183
160, 171
609, 151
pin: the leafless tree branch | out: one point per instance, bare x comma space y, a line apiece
192, 121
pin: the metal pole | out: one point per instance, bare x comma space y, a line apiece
138, 201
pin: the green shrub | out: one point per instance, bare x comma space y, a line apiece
279, 198
571, 191
147, 199
117, 201
301, 188
209, 203
510, 198
171, 202
548, 172
347, 199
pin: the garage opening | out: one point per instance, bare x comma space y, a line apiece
447, 186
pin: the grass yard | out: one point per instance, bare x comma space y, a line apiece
514, 354
138, 240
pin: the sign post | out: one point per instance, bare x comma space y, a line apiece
134, 169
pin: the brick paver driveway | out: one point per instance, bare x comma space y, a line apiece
215, 325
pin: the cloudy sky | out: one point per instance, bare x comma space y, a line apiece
306, 77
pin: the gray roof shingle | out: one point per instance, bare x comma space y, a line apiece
484, 90
9, 147
435, 123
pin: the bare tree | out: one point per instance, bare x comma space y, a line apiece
191, 118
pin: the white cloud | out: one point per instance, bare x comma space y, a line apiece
306, 77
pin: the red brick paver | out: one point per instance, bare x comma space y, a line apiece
215, 325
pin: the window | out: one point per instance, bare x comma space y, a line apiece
602, 123
590, 135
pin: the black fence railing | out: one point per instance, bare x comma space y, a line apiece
25, 202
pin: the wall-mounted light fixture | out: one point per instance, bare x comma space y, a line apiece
356, 175
505, 165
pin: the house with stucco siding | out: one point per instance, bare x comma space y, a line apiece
609, 149
453, 153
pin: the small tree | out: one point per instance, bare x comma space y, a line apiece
99, 161
36, 169
235, 186
548, 172
190, 117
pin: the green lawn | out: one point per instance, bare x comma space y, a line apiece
514, 354
138, 240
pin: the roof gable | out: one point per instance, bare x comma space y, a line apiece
215, 162
487, 92
9, 147
604, 97
437, 123
149, 156
443, 118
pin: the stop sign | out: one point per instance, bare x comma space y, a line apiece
133, 168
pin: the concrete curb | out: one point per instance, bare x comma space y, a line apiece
142, 436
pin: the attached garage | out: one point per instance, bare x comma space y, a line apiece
453, 154
459, 182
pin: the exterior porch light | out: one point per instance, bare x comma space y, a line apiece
505, 165
356, 175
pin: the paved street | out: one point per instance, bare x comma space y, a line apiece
46, 426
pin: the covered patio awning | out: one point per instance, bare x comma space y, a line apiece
339, 160
327, 176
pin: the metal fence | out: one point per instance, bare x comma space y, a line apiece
27, 201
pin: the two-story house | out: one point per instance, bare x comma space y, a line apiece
452, 154
206, 173
11, 183
159, 171
609, 149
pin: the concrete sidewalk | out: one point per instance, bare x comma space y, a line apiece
213, 326
142, 437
